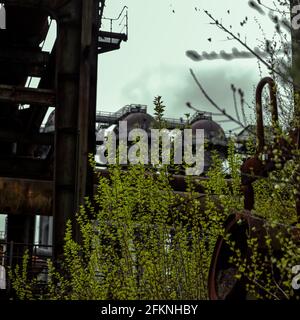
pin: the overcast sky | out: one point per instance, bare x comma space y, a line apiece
154, 62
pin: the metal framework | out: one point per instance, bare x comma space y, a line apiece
58, 184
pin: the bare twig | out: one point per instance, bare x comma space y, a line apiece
264, 288
269, 8
273, 273
222, 111
241, 93
234, 101
222, 27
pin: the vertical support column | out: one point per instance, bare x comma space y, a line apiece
66, 120
87, 96
75, 112
93, 93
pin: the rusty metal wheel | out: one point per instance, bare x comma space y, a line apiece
222, 282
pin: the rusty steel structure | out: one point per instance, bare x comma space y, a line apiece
239, 226
263, 162
55, 185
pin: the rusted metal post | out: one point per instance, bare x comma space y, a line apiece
66, 119
93, 92
259, 110
76, 111
87, 96
254, 167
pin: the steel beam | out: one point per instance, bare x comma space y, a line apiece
40, 139
34, 197
19, 196
26, 56
23, 167
44, 4
22, 69
21, 95
23, 55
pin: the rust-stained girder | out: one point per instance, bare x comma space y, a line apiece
34, 197
21, 196
21, 95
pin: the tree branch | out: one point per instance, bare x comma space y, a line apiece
222, 111
222, 27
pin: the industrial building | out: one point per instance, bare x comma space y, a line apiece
44, 168
65, 79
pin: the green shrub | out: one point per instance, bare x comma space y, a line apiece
146, 242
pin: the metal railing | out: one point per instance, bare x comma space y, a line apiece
12, 254
101, 10
200, 116
173, 121
116, 25
113, 116
182, 122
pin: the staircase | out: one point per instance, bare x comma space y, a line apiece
113, 31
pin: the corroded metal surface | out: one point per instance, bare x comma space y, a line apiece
69, 82
259, 110
222, 283
19, 196
34, 197
26, 96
